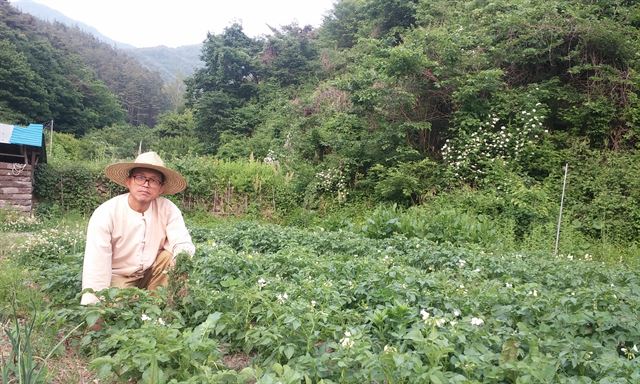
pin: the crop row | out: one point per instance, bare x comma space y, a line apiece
297, 305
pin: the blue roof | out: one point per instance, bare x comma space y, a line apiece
31, 135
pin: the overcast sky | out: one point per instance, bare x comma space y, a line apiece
148, 23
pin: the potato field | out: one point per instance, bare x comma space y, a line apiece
262, 303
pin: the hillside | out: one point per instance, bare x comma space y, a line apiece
402, 102
171, 63
45, 13
51, 55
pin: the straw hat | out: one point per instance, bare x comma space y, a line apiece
173, 181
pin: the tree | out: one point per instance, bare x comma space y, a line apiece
342, 26
228, 80
290, 55
23, 95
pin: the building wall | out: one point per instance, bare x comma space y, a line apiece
16, 190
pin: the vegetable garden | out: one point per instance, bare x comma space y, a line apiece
265, 303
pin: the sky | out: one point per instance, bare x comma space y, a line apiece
149, 23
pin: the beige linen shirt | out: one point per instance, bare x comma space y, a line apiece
123, 242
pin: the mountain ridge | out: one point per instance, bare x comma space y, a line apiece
173, 64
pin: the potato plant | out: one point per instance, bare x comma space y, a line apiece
316, 306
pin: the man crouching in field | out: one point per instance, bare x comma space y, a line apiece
132, 239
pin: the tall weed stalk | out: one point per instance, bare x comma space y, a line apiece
23, 365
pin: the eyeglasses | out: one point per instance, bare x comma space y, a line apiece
141, 180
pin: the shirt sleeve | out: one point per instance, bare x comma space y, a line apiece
96, 269
178, 238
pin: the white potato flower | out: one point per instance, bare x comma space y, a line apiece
477, 321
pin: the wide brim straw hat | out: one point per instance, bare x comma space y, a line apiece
173, 181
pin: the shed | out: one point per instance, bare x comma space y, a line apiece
21, 150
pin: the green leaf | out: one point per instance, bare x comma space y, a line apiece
509, 351
277, 368
92, 317
289, 350
415, 335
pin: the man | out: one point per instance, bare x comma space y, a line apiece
132, 239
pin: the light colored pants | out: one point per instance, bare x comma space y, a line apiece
155, 276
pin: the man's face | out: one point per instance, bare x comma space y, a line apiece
145, 185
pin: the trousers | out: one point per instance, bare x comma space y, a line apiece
153, 277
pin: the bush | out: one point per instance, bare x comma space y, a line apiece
117, 142
16, 285
65, 146
215, 186
437, 224
603, 193
408, 183
16, 221
71, 186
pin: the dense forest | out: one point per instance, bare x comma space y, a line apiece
52, 72
409, 74
395, 101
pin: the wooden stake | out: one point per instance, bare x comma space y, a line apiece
564, 186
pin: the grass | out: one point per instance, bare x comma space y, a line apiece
63, 365
36, 348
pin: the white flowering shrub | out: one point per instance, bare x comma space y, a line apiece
13, 221
507, 137
332, 181
50, 244
271, 158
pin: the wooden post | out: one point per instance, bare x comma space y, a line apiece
51, 140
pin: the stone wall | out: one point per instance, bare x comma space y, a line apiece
16, 190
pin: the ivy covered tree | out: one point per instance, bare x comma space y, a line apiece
580, 53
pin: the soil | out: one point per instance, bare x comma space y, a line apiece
237, 361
